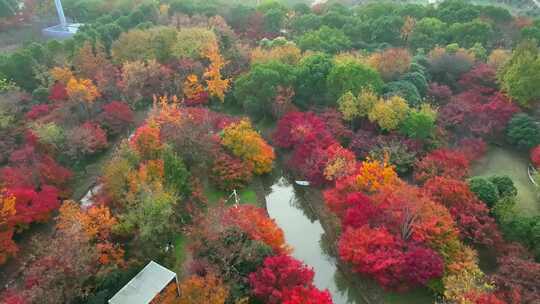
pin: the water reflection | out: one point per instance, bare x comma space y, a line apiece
305, 234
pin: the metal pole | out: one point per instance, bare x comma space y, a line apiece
60, 11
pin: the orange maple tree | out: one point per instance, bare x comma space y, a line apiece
217, 85
258, 226
147, 142
82, 90
207, 289
374, 174
7, 210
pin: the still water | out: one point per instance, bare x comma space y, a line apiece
304, 235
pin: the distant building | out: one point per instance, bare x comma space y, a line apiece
146, 286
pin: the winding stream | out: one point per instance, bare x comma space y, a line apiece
304, 235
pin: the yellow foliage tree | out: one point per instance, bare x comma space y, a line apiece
62, 75
288, 53
498, 58
407, 28
366, 101
192, 88
388, 114
217, 85
247, 144
374, 174
348, 105
202, 290
82, 90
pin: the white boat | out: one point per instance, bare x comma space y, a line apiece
302, 183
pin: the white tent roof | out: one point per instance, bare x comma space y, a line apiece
145, 286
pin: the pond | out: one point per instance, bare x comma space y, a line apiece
502, 160
305, 234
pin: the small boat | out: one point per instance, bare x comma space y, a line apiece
302, 183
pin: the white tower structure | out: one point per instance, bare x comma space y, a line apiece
64, 29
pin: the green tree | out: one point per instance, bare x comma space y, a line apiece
325, 39
419, 124
352, 76
177, 177
485, 190
305, 23
257, 89
8, 8
469, 33
505, 185
404, 89
428, 33
520, 77
311, 74
348, 105
452, 11
273, 20
523, 131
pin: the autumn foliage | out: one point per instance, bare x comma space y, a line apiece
230, 173
116, 117
244, 142
207, 289
471, 215
442, 162
283, 279
258, 226
378, 253
535, 156
7, 211
147, 142
217, 86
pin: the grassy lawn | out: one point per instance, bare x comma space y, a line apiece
214, 195
180, 243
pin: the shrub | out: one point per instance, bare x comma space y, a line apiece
523, 131
484, 190
229, 173
505, 185
442, 162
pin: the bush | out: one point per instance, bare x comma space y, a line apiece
523, 131
484, 190
229, 173
404, 89
505, 185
